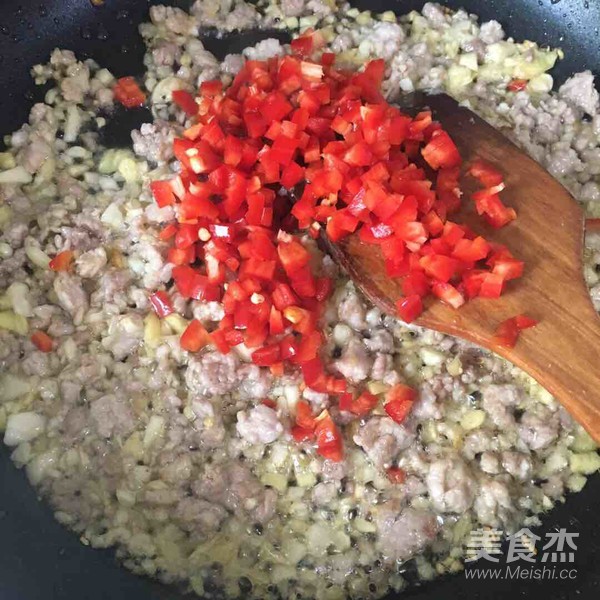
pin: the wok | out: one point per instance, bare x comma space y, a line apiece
39, 559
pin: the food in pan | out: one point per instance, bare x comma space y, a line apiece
206, 464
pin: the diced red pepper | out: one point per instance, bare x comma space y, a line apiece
359, 155
288, 347
62, 261
364, 404
441, 152
314, 375
409, 308
167, 232
303, 282
301, 319
496, 214
277, 370
291, 175
293, 255
192, 284
396, 475
256, 333
507, 333
218, 338
341, 224
485, 173
472, 281
261, 269
308, 347
448, 293
525, 322
329, 439
516, 85
195, 337
508, 268
345, 402
128, 92
283, 296
289, 121
304, 416
267, 355
399, 402
186, 236
491, 285
163, 193
179, 256
42, 341
233, 337
398, 410
323, 288
400, 392
185, 101
305, 44
416, 283
439, 267
161, 303
302, 435
276, 325
211, 88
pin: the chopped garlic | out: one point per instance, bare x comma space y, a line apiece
586, 462
583, 442
13, 322
275, 480
458, 78
13, 387
377, 387
432, 358
152, 333
154, 430
176, 322
129, 169
18, 293
17, 175
112, 216
7, 161
540, 84
469, 60
23, 427
472, 419
5, 214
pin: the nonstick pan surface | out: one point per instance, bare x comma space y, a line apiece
39, 559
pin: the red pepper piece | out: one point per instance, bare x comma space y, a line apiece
195, 337
185, 101
161, 303
329, 439
42, 341
62, 261
128, 92
409, 308
396, 475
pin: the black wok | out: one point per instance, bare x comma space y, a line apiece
39, 559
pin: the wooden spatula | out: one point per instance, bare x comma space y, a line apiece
563, 352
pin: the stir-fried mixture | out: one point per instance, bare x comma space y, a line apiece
157, 393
